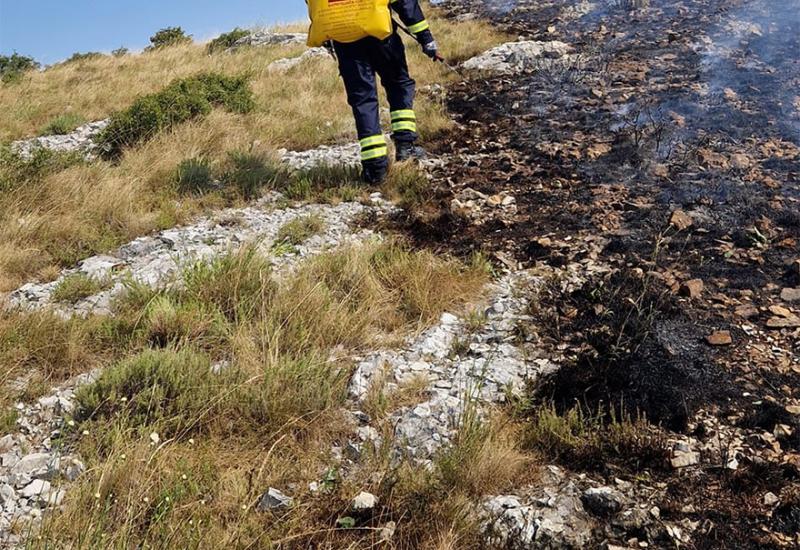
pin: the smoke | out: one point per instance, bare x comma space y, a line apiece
755, 53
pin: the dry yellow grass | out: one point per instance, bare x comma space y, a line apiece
270, 419
86, 209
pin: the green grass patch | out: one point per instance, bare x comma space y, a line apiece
249, 173
195, 176
16, 171
300, 230
593, 441
62, 124
74, 288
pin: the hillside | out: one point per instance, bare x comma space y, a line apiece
573, 325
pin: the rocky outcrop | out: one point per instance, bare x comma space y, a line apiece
158, 259
33, 468
80, 140
461, 367
292, 62
269, 38
518, 57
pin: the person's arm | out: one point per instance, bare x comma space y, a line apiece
411, 15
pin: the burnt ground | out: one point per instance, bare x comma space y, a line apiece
666, 152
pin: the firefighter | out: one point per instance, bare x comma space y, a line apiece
359, 61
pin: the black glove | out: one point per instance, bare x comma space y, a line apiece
429, 46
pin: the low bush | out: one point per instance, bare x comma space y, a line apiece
249, 173
594, 441
12, 67
16, 171
194, 176
170, 36
120, 52
181, 101
78, 57
226, 40
62, 124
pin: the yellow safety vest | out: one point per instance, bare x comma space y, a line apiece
348, 20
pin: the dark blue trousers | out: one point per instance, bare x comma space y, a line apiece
359, 62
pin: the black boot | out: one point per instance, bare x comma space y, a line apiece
374, 171
405, 150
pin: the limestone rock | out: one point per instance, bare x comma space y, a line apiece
291, 62
517, 57
269, 38
80, 140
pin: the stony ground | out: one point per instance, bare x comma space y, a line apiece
633, 171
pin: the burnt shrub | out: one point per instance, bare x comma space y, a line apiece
181, 101
226, 40
638, 352
170, 36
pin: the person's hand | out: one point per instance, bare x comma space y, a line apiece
431, 49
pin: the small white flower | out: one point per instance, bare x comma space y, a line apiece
184, 477
155, 438
85, 432
71, 423
97, 495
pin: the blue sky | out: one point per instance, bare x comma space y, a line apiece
51, 30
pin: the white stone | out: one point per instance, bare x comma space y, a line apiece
365, 501
32, 463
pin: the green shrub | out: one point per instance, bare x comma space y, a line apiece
120, 52
170, 36
78, 57
12, 67
62, 124
74, 288
158, 386
16, 171
249, 173
181, 101
194, 176
226, 40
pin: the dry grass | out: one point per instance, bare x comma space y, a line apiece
69, 214
269, 419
